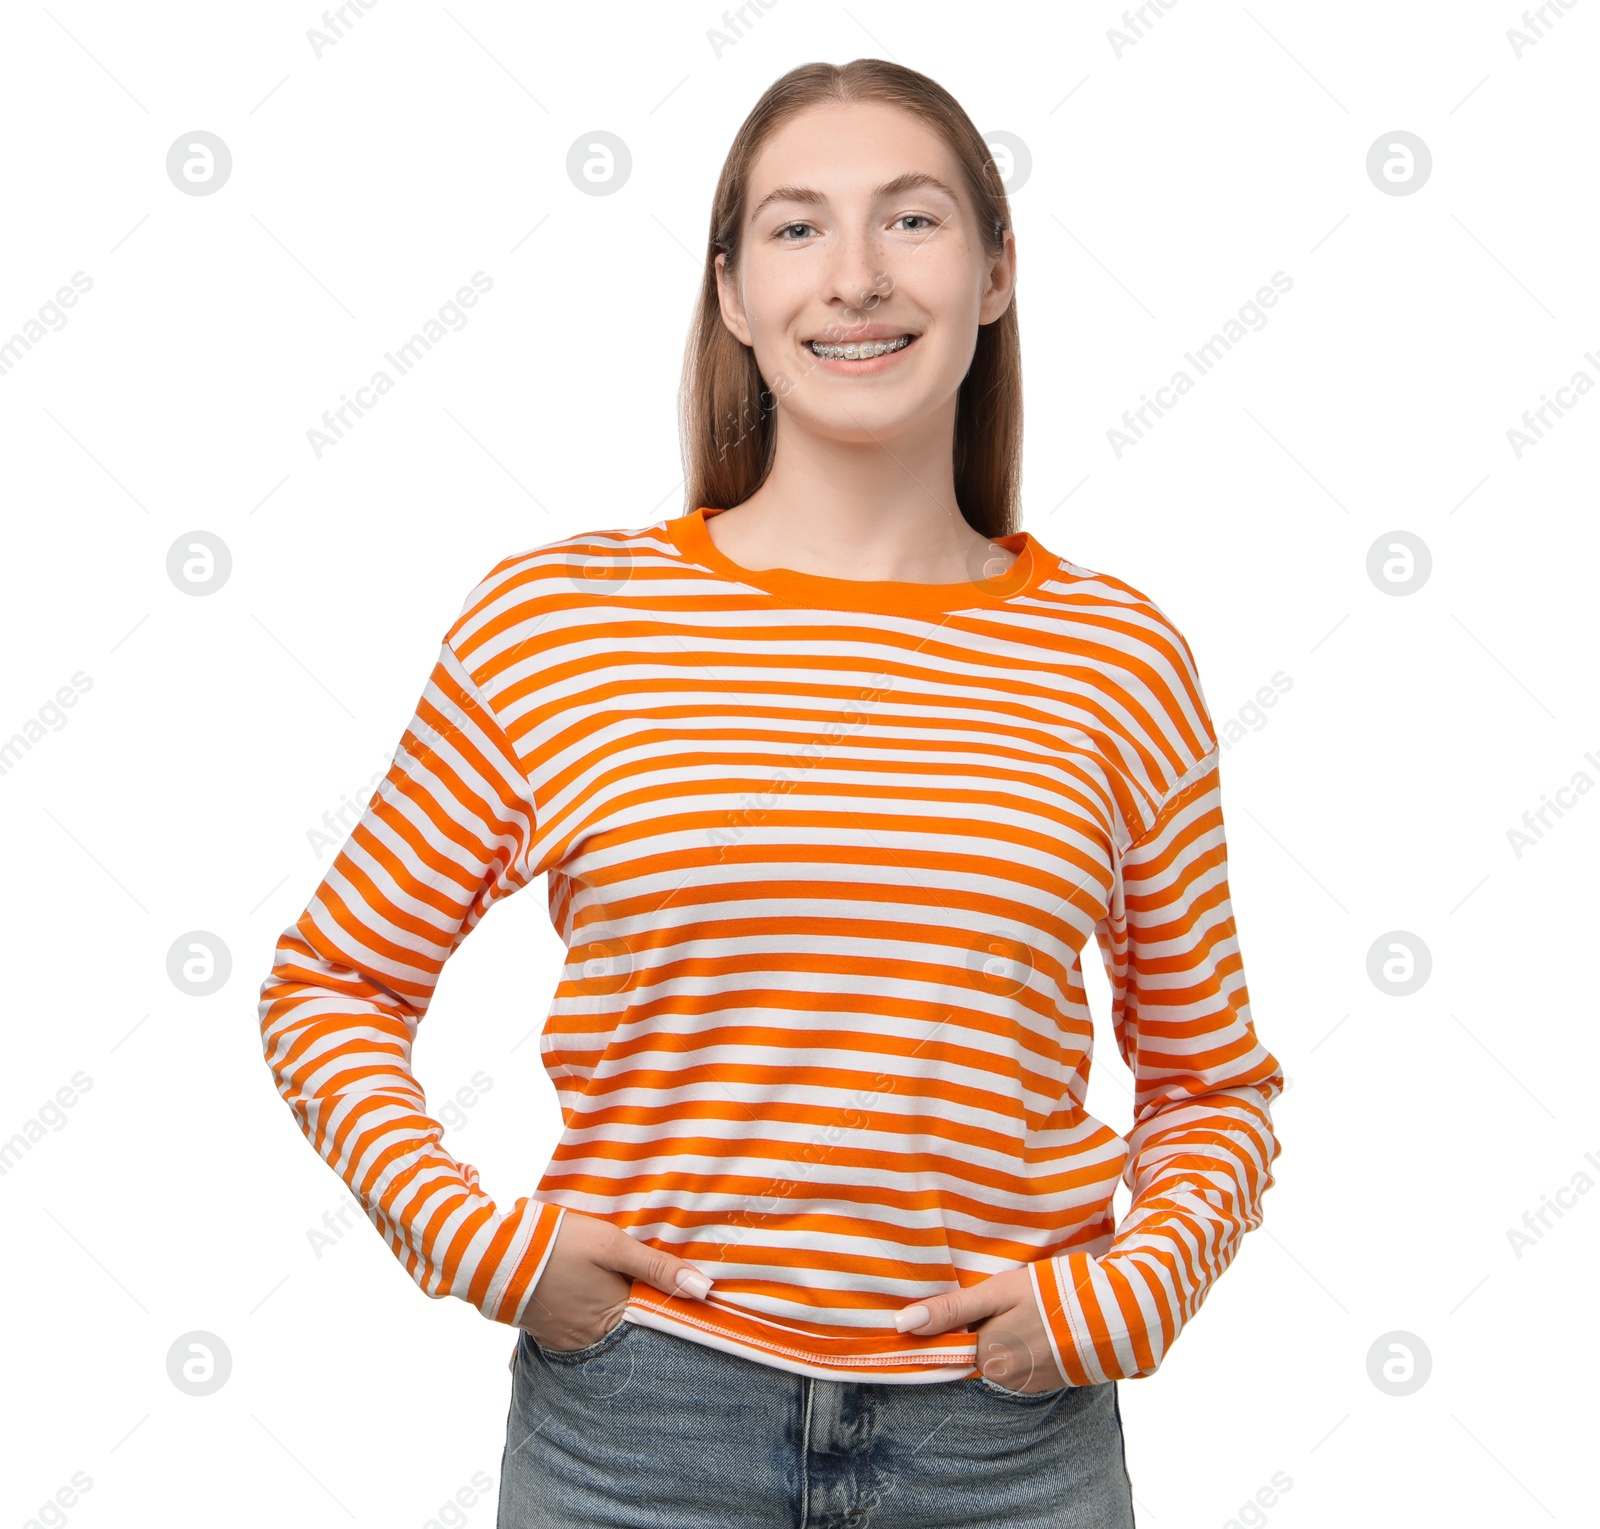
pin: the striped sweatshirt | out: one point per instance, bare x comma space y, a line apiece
825, 856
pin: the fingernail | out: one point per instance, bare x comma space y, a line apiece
912, 1316
694, 1284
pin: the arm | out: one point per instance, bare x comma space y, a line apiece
1202, 1144
447, 834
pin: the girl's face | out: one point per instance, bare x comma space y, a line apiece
859, 231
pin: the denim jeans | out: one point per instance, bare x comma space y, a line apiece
647, 1430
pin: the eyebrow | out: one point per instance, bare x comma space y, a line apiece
910, 181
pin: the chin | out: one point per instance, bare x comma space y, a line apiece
866, 426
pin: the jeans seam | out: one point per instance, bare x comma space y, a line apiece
1024, 1396
872, 1423
1122, 1447
805, 1457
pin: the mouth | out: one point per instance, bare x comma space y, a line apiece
858, 350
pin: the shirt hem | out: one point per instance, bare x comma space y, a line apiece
884, 1369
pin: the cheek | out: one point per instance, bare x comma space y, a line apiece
774, 294
948, 288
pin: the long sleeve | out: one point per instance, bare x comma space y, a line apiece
446, 835
1202, 1144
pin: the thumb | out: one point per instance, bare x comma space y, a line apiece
956, 1308
662, 1271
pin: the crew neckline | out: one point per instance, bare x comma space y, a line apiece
1031, 566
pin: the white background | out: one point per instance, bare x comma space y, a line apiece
1167, 185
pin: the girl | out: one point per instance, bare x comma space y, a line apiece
834, 777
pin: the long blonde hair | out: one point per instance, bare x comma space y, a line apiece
726, 411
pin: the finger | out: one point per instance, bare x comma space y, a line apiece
662, 1271
1007, 1355
956, 1308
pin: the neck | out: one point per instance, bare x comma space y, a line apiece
882, 509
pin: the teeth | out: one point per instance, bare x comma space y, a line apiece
864, 350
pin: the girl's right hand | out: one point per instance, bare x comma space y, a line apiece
589, 1277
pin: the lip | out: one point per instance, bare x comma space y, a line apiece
842, 366
846, 335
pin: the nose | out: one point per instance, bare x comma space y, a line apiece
856, 278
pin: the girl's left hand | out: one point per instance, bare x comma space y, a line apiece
1013, 1347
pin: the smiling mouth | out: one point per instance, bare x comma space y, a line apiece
858, 350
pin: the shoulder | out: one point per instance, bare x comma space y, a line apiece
1122, 630
1155, 708
528, 598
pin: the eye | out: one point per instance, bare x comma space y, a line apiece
789, 228
915, 217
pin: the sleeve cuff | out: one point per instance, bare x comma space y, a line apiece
1091, 1338
533, 1240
